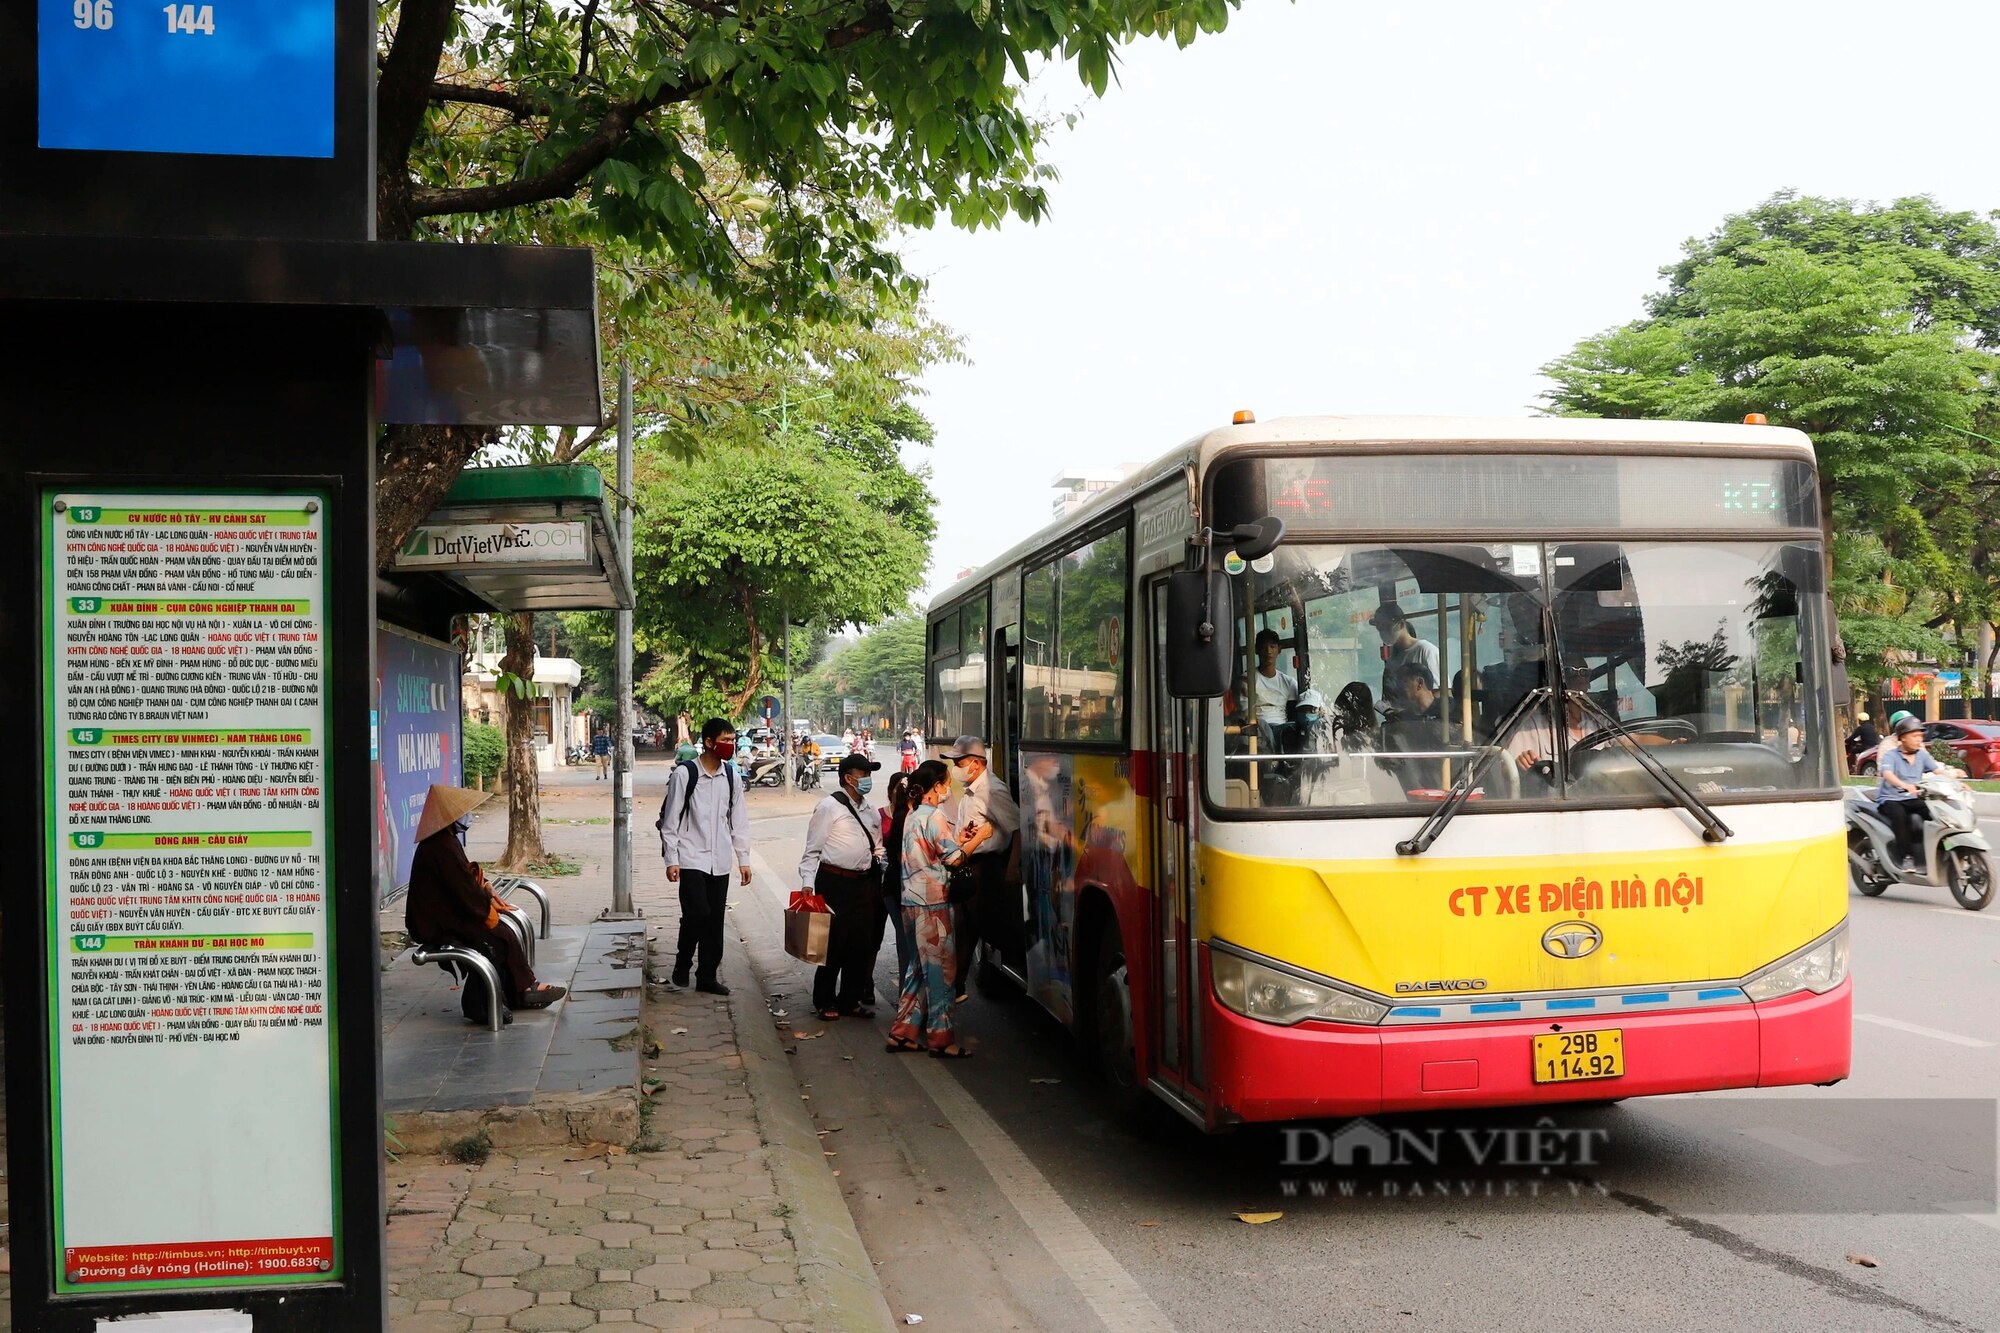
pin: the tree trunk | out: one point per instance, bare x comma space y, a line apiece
524, 796
414, 467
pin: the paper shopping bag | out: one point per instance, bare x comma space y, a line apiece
808, 927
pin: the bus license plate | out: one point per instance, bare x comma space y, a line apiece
1569, 1057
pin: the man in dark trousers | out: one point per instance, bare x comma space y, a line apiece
704, 830
994, 910
842, 864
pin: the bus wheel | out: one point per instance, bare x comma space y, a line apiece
1111, 1026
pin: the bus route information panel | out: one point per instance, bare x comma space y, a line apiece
243, 77
189, 957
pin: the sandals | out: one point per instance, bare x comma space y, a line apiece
829, 1015
858, 1011
901, 1047
951, 1052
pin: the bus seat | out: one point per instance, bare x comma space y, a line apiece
1236, 794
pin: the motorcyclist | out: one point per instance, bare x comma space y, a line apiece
1899, 796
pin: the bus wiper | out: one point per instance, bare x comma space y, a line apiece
1712, 827
1461, 790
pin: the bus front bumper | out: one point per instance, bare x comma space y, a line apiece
1260, 1072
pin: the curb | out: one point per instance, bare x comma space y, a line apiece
834, 1266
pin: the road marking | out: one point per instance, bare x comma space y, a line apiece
1962, 914
1921, 1031
1819, 1154
1980, 1211
1117, 1299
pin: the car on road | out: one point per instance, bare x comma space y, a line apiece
831, 751
1977, 743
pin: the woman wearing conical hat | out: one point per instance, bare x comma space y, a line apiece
451, 903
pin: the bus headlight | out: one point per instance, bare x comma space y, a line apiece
1271, 996
1818, 969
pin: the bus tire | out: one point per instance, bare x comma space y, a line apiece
1114, 1048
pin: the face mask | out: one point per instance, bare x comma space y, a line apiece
725, 750
966, 773
463, 826
865, 785
1310, 718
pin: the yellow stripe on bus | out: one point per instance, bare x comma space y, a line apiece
1457, 928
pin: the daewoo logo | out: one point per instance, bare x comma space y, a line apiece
1454, 984
1572, 939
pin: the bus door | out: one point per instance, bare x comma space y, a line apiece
1175, 980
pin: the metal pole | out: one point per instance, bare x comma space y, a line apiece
621, 803
790, 744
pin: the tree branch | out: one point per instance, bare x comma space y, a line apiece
402, 94
513, 103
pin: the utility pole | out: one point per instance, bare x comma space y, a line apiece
791, 744
622, 756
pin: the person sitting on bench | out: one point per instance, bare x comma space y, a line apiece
450, 902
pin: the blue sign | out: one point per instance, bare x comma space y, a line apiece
244, 77
418, 711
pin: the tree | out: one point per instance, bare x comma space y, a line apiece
613, 116
1869, 328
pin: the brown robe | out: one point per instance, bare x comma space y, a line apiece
448, 905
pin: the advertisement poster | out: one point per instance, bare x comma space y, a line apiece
190, 964
418, 725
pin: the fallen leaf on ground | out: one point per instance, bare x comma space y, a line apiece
590, 1150
678, 1032
1865, 1260
810, 1036
1258, 1219
847, 1057
1044, 1080
913, 1319
1149, 1224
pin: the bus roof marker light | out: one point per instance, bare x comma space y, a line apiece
1243, 417
1755, 419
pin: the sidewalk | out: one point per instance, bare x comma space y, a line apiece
724, 1214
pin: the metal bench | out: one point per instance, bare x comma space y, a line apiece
476, 964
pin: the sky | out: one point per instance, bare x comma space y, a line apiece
1345, 208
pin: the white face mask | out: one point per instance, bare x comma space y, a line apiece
967, 773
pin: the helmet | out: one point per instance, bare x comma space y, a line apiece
1905, 724
1861, 716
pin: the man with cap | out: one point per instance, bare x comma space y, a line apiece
451, 903
842, 864
992, 910
1401, 650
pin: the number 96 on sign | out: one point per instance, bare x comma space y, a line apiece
249, 77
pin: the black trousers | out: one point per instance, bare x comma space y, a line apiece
1905, 819
704, 899
846, 980
989, 914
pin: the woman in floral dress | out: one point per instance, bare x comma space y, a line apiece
930, 850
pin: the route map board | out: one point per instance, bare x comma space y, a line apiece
192, 1095
243, 77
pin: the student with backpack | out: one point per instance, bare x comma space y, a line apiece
704, 830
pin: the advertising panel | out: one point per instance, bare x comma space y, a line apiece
419, 729
190, 961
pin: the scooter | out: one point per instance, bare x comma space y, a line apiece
1955, 854
805, 773
766, 771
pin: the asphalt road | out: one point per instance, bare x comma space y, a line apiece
999, 1193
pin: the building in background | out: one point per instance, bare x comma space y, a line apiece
1075, 487
557, 726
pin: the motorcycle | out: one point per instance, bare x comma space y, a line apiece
1954, 853
765, 771
805, 772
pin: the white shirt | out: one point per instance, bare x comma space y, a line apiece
709, 839
836, 836
1273, 693
1420, 652
988, 798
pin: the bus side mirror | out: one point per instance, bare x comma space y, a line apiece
1200, 611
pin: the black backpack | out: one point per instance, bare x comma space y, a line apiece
687, 802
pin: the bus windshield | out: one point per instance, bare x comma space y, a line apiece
1372, 675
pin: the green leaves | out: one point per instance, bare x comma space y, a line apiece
1872, 329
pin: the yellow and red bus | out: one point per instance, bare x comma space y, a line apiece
1507, 776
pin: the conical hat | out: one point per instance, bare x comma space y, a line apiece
445, 806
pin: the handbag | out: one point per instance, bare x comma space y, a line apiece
963, 885
808, 927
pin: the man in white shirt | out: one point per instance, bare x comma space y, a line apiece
1402, 650
842, 865
1275, 689
704, 830
995, 908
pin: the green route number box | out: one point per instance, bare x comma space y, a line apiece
190, 915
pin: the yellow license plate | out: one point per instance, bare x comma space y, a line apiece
1568, 1057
